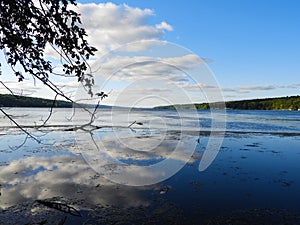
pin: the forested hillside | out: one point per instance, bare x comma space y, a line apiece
7, 100
282, 103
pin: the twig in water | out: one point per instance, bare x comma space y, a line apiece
132, 124
138, 123
60, 206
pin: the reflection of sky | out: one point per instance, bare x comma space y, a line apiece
249, 172
70, 177
56, 169
58, 172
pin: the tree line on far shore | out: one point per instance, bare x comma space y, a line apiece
7, 100
281, 103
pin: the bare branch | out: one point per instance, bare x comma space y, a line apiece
19, 126
132, 124
7, 88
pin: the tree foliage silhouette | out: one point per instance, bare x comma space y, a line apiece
27, 27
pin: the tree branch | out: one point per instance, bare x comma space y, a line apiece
20, 127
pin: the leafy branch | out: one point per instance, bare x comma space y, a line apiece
27, 28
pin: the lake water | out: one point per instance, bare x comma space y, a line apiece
254, 178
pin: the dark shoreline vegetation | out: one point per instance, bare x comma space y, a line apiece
280, 103
7, 100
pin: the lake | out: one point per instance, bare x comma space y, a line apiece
116, 173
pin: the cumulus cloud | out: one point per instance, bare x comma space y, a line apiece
164, 26
109, 25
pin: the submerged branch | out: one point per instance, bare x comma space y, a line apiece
50, 113
60, 206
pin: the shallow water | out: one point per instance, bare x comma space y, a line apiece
254, 175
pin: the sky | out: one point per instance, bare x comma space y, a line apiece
251, 48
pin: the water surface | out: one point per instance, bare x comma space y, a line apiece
254, 178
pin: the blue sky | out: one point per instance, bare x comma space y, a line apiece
251, 43
253, 46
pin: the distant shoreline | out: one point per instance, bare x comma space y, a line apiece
291, 103
7, 100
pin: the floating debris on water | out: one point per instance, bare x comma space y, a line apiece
164, 189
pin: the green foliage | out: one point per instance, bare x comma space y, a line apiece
21, 101
284, 103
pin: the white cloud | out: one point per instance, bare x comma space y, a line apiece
164, 26
109, 25
144, 67
133, 77
20, 88
198, 87
297, 85
33, 88
269, 87
259, 88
